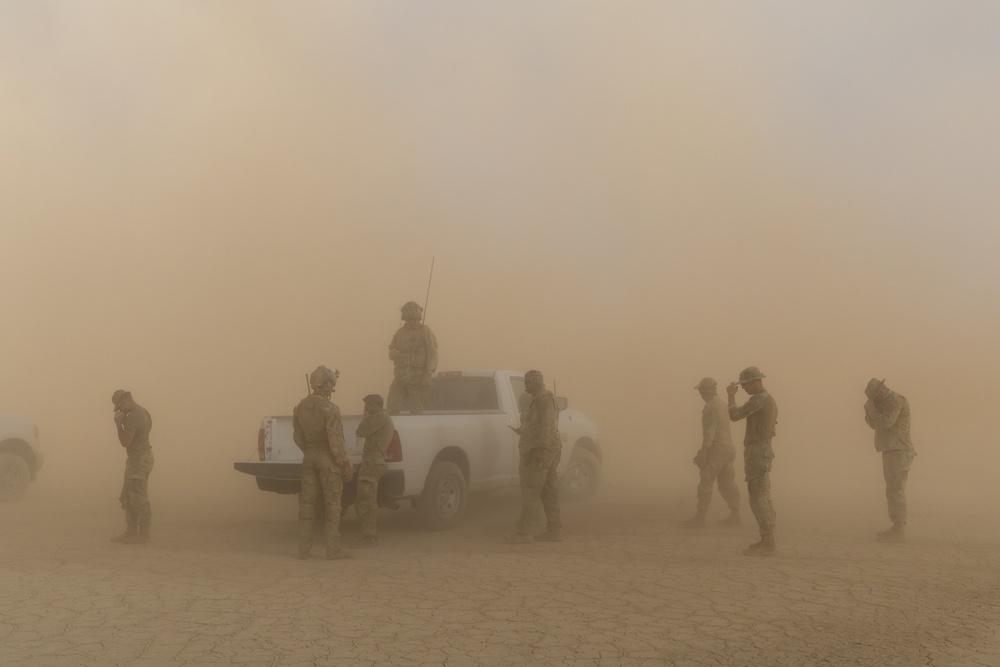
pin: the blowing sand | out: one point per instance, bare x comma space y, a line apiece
221, 585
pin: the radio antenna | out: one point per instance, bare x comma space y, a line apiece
428, 297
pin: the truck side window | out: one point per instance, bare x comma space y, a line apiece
455, 393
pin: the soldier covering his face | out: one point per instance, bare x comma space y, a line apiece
888, 413
377, 429
133, 424
414, 353
319, 433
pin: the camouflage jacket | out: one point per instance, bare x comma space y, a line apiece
540, 426
420, 350
139, 421
890, 418
377, 430
761, 413
316, 423
716, 438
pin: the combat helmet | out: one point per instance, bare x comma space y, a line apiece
319, 377
411, 310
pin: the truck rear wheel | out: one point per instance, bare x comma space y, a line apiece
442, 502
14, 476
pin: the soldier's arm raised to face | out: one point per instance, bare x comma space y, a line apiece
752, 405
369, 424
885, 414
126, 429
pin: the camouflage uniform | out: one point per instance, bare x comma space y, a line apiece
761, 413
134, 497
889, 416
318, 432
716, 457
540, 449
419, 357
377, 430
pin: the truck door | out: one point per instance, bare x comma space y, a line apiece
521, 399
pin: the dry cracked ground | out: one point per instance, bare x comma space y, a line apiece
220, 585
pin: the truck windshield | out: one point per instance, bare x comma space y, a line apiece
455, 392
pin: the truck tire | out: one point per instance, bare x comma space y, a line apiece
14, 476
582, 476
442, 502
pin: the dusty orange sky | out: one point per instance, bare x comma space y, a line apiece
201, 204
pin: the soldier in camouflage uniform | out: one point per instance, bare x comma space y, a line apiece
414, 351
318, 432
540, 449
888, 414
715, 458
761, 413
376, 428
133, 424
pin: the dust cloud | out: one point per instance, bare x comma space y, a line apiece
202, 203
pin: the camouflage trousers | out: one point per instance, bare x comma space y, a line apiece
407, 392
757, 466
539, 488
896, 469
759, 493
719, 471
366, 502
134, 497
319, 472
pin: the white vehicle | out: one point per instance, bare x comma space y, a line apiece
463, 443
20, 457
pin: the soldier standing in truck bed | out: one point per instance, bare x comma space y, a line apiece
414, 352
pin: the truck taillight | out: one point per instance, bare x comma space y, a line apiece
394, 454
260, 444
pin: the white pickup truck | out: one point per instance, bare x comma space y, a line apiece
20, 457
460, 444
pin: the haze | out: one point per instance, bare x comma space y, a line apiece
203, 202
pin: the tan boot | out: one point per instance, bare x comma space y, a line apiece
129, 534
894, 534
550, 535
697, 521
518, 538
141, 536
340, 553
766, 547
365, 542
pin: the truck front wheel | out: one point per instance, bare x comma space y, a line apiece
14, 476
442, 502
582, 475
